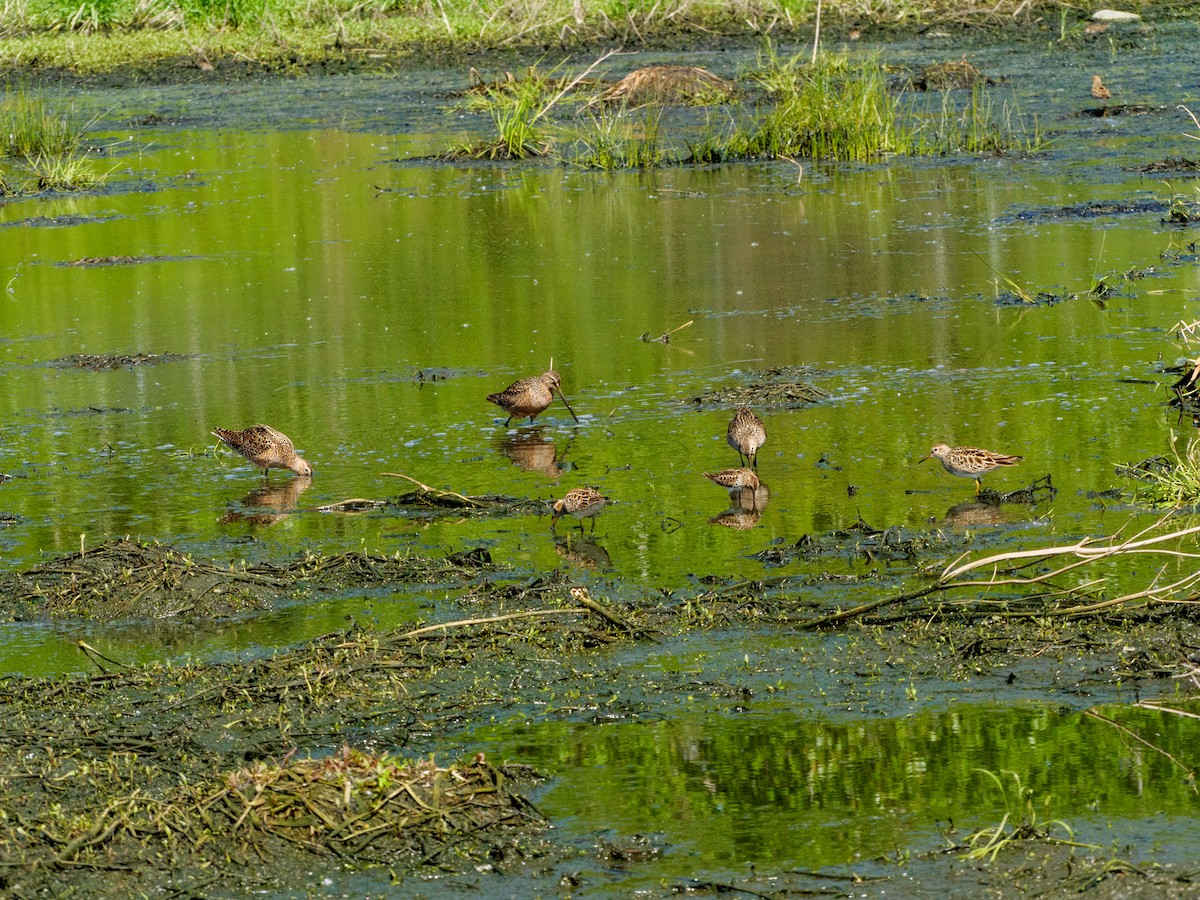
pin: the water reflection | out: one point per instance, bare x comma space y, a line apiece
583, 551
745, 508
269, 503
532, 451
972, 514
781, 788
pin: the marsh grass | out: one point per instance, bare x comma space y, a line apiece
1179, 484
515, 109
28, 129
978, 125
42, 145
834, 109
620, 139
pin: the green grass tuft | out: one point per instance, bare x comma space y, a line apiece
44, 149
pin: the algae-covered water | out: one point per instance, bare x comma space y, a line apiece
294, 257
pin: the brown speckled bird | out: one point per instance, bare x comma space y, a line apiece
746, 433
530, 397
734, 479
265, 447
969, 462
582, 503
1099, 91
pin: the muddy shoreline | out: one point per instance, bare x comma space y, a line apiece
125, 764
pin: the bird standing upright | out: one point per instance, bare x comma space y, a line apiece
969, 462
746, 433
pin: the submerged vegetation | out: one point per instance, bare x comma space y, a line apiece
40, 150
832, 107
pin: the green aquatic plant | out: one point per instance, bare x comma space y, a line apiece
64, 173
977, 126
1183, 208
1023, 824
1178, 484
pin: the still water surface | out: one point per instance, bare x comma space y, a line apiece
323, 278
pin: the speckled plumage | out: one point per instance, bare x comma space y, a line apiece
969, 462
582, 503
746, 433
734, 479
265, 447
530, 397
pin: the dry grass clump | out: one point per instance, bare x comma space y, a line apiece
353, 800
670, 84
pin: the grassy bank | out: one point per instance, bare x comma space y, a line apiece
174, 38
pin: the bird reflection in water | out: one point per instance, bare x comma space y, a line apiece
745, 508
583, 551
268, 504
972, 513
532, 451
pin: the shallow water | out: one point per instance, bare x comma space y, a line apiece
294, 291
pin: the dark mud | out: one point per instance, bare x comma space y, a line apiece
153, 775
772, 387
125, 580
98, 362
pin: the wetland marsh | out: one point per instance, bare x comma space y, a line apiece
294, 252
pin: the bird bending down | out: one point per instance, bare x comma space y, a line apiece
265, 447
746, 433
1099, 91
530, 397
582, 503
734, 480
969, 462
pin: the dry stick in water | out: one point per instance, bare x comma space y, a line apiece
95, 654
489, 620
1087, 551
817, 34
665, 337
427, 489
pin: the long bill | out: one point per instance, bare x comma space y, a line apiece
563, 397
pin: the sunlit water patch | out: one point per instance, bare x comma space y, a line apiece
722, 793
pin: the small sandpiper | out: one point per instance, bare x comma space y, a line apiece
746, 433
969, 462
530, 397
265, 447
582, 503
735, 480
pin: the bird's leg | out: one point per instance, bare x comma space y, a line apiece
978, 487
506, 421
